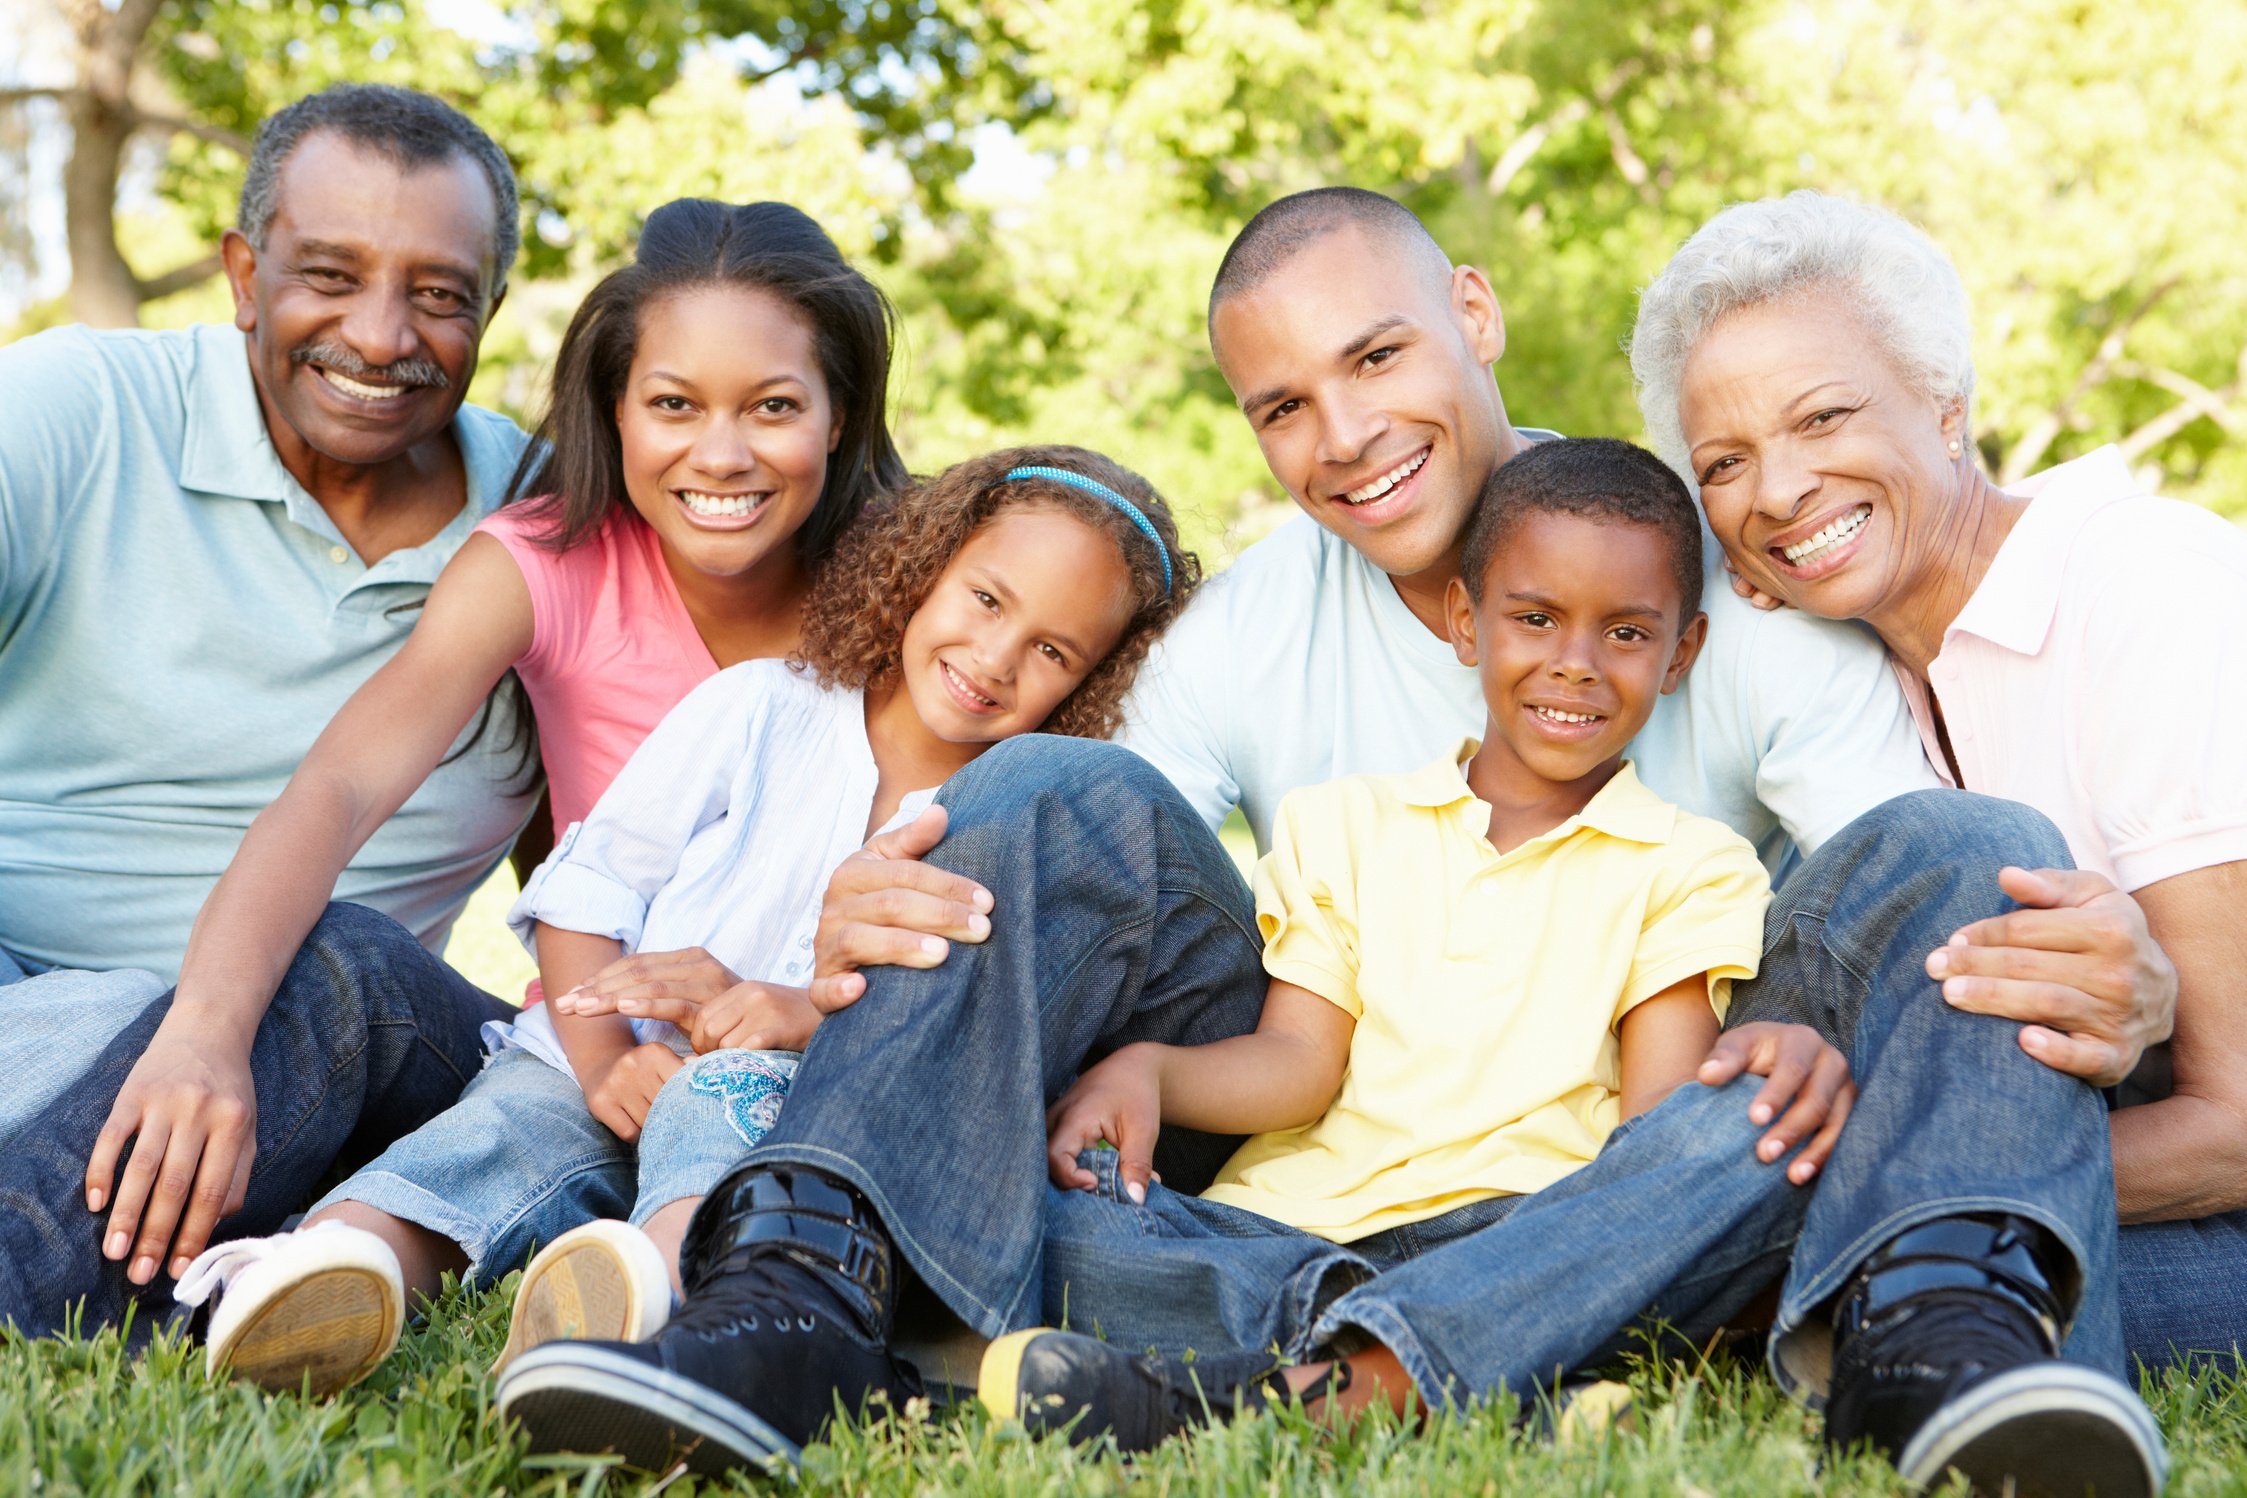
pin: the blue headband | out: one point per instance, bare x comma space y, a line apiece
1131, 511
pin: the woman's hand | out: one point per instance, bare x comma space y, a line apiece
620, 1091
189, 1110
1753, 594
1799, 1067
637, 985
1119, 1100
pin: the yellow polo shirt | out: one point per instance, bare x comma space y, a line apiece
1486, 986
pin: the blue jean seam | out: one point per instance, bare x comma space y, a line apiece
1394, 1333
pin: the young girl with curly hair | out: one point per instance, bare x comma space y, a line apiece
1014, 592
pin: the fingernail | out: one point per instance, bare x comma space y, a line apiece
1938, 963
1954, 988
94, 1200
982, 900
1803, 1170
933, 945
1136, 1192
1770, 1149
115, 1248
143, 1270
179, 1266
2033, 1039
979, 926
628, 1006
1760, 1113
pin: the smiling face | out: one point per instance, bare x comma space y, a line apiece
1030, 604
1576, 637
1366, 377
725, 424
364, 309
1824, 473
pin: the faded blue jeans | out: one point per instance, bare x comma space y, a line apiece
368, 1038
1119, 917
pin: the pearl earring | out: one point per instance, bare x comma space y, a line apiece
1954, 447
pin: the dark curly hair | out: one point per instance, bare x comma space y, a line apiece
1599, 478
886, 565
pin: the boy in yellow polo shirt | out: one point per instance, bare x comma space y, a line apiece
1478, 970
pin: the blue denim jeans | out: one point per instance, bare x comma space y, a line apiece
520, 1159
2184, 1290
368, 1038
1119, 917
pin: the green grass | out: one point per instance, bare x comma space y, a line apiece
80, 1416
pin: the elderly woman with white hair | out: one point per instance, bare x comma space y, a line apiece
2071, 643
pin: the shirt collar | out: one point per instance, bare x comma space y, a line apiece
2020, 595
1624, 808
227, 452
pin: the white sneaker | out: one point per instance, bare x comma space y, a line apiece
316, 1310
603, 1282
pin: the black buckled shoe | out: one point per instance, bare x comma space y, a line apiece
1946, 1358
1064, 1381
791, 1289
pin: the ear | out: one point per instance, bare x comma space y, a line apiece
835, 434
1459, 622
1689, 643
1480, 317
499, 300
239, 261
1954, 424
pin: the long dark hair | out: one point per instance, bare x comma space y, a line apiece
575, 466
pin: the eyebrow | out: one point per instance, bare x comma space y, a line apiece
1628, 610
1350, 350
767, 384
1792, 409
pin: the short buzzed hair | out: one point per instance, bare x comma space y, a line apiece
1285, 227
411, 128
1598, 478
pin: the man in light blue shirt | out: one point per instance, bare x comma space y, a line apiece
208, 540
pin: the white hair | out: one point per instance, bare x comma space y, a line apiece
1884, 270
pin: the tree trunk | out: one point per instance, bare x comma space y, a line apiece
103, 289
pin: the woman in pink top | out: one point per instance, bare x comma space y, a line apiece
718, 421
2071, 644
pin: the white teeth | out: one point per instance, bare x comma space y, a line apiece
962, 683
364, 392
1840, 530
1387, 481
720, 505
1555, 715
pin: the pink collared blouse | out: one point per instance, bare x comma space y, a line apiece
2099, 674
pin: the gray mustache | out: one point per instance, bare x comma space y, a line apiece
340, 358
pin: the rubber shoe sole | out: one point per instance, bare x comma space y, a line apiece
603, 1282
582, 1398
322, 1331
2050, 1430
998, 1381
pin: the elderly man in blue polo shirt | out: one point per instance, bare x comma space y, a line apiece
208, 540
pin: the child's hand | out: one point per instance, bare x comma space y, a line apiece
755, 1016
620, 1093
1801, 1067
651, 985
1119, 1100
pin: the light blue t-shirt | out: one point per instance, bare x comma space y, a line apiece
1300, 664
178, 621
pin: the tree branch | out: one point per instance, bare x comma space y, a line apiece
15, 94
2038, 439
1523, 148
217, 135
179, 278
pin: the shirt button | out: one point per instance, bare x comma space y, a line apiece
338, 554
804, 942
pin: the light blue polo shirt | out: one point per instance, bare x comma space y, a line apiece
178, 621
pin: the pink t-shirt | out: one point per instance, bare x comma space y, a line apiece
612, 650
2099, 674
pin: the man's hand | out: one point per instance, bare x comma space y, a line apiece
634, 985
1800, 1067
620, 1094
1119, 1100
885, 908
2076, 966
189, 1110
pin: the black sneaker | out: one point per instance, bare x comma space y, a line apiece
790, 1294
1946, 1359
1063, 1381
